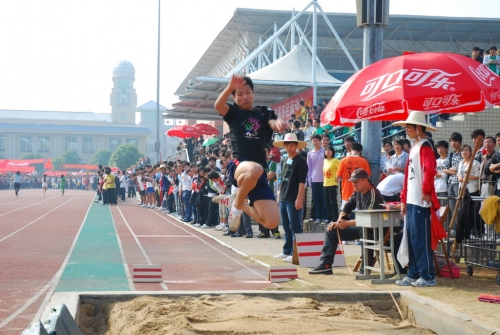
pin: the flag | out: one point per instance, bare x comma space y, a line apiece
48, 165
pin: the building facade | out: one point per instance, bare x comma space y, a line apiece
51, 133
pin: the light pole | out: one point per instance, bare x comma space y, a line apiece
157, 141
372, 17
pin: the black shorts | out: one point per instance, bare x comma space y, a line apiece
17, 186
142, 193
261, 191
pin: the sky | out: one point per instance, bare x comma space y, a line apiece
59, 55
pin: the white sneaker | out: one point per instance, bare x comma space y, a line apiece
224, 199
161, 208
197, 225
233, 220
282, 255
220, 227
205, 226
288, 259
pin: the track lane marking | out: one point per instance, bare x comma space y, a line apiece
122, 253
162, 284
29, 224
52, 284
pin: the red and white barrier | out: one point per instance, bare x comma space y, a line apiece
282, 273
147, 273
309, 250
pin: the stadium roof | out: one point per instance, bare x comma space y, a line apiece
242, 33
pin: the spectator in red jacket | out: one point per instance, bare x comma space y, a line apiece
419, 199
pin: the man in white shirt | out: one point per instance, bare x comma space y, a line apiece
491, 61
186, 188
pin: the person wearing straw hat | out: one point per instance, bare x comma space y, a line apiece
251, 128
292, 190
419, 200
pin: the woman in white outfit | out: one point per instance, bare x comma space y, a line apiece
45, 184
473, 184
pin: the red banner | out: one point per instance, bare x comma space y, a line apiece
80, 167
285, 108
29, 161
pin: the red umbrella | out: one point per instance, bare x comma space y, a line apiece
183, 132
430, 82
206, 129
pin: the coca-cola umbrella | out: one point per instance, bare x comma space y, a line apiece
429, 82
206, 129
183, 132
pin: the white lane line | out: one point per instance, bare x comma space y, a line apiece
175, 236
52, 284
211, 246
204, 282
29, 224
20, 200
124, 260
36, 203
162, 284
23, 307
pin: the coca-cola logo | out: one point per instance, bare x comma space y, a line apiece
433, 78
495, 95
367, 112
328, 116
441, 102
484, 74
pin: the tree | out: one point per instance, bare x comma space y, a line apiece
57, 163
71, 157
101, 158
124, 156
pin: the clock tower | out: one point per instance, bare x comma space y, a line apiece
123, 99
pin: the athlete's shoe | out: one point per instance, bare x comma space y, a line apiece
224, 199
233, 220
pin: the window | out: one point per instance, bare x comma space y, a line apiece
71, 143
123, 84
2, 143
148, 116
87, 145
43, 143
114, 143
26, 143
132, 141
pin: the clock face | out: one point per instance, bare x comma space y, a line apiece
123, 98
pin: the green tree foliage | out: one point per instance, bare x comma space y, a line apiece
38, 167
101, 158
71, 157
57, 163
124, 156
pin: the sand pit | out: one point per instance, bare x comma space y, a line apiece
239, 314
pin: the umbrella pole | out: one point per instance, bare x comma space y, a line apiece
461, 193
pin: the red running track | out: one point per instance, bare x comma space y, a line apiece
37, 234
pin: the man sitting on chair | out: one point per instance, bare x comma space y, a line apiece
365, 197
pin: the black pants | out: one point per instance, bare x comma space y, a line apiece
332, 207
131, 191
213, 213
122, 193
202, 210
105, 196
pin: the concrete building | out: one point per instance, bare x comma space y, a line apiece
51, 133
